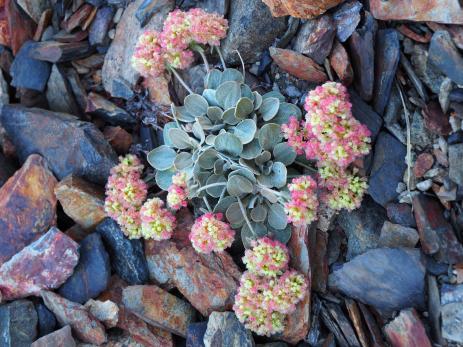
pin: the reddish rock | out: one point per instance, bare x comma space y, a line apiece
340, 62
407, 330
20, 27
406, 31
443, 11
27, 206
62, 337
158, 88
44, 264
44, 22
107, 312
118, 138
82, 201
159, 308
84, 326
78, 18
4, 33
305, 9
435, 120
298, 65
423, 163
318, 243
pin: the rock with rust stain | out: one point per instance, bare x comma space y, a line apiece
20, 27
340, 62
27, 206
84, 326
44, 264
305, 9
452, 312
159, 308
118, 138
62, 337
298, 65
297, 324
435, 119
76, 147
407, 330
82, 201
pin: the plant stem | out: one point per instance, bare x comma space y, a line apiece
242, 64
243, 211
218, 184
305, 166
180, 79
221, 57
207, 204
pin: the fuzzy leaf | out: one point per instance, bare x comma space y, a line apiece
162, 157
209, 95
277, 177
269, 136
212, 79
259, 213
228, 94
286, 111
198, 132
165, 133
214, 113
269, 108
284, 153
257, 100
245, 130
224, 204
231, 75
183, 160
277, 218
245, 173
274, 94
180, 138
234, 214
164, 178
207, 159
215, 192
281, 235
247, 92
229, 144
262, 158
251, 150
182, 114
229, 117
244, 108
218, 166
196, 105
210, 140
238, 185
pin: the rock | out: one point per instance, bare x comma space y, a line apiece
78, 18
401, 214
315, 38
59, 93
456, 163
445, 56
425, 70
319, 268
43, 24
44, 264
387, 278
82, 201
6, 169
305, 9
340, 62
224, 329
27, 72
100, 25
423, 163
436, 234
387, 57
106, 312
77, 147
218, 6
46, 320
4, 91
92, 273
84, 326
298, 322
346, 18
396, 235
362, 54
158, 88
421, 137
60, 52
407, 330
365, 114
62, 337
127, 256
27, 206
435, 120
208, 282
388, 168
34, 8
362, 226
298, 65
100, 107
20, 27
119, 77
195, 334
442, 11
18, 324
159, 308
118, 138
244, 28
452, 312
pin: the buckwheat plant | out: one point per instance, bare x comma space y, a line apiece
210, 234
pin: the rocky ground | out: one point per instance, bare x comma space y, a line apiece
389, 273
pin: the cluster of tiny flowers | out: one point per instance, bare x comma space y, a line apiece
302, 207
344, 190
157, 223
263, 301
172, 46
267, 258
210, 234
125, 194
177, 193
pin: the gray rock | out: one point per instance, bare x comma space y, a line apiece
34, 8
365, 114
452, 312
362, 226
252, 28
62, 338
4, 94
59, 93
18, 324
425, 70
445, 56
388, 168
100, 25
456, 163
387, 278
346, 18
420, 136
224, 329
396, 235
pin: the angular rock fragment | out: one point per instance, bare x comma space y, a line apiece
297, 324
100, 25
106, 110
452, 312
84, 326
62, 337
195, 334
456, 163
44, 264
365, 114
78, 18
82, 201
396, 235
435, 119
46, 320
305, 9
106, 312
318, 246
340, 62
20, 27
34, 8
18, 323
386, 278
423, 163
118, 138
407, 330
76, 147
224, 329
445, 56
59, 93
6, 169
59, 52
159, 308
27, 206
346, 18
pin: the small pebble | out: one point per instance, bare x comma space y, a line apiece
424, 185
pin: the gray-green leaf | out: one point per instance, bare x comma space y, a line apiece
277, 217
269, 136
196, 105
228, 94
162, 157
284, 153
245, 130
238, 185
269, 108
229, 144
180, 138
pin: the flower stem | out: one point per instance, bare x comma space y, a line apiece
245, 216
180, 79
221, 57
207, 204
218, 184
200, 50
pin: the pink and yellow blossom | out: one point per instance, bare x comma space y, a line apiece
210, 234
206, 28
267, 257
178, 192
303, 205
157, 222
148, 57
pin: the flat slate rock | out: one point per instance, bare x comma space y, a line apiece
224, 329
195, 334
46, 320
365, 114
18, 324
387, 278
59, 338
76, 147
444, 55
127, 256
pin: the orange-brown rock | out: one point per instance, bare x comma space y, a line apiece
118, 138
158, 88
81, 200
298, 322
4, 33
407, 330
20, 27
298, 65
340, 62
27, 206
305, 9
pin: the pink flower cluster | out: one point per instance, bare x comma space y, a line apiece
263, 301
302, 208
210, 234
172, 46
157, 223
177, 193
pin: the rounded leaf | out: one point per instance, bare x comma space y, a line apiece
245, 173
277, 218
279, 175
180, 138
248, 236
231, 75
162, 157
224, 204
228, 117
210, 140
269, 135
284, 153
245, 130
269, 108
234, 214
207, 159
257, 100
259, 213
262, 158
238, 185
196, 105
216, 191
214, 113
209, 95
164, 178
165, 133
182, 114
228, 94
198, 132
285, 112
281, 235
183, 160
244, 107
274, 94
251, 150
229, 144
213, 78
247, 92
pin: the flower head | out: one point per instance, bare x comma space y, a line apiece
209, 233
178, 193
206, 28
291, 288
157, 223
267, 257
148, 57
302, 208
